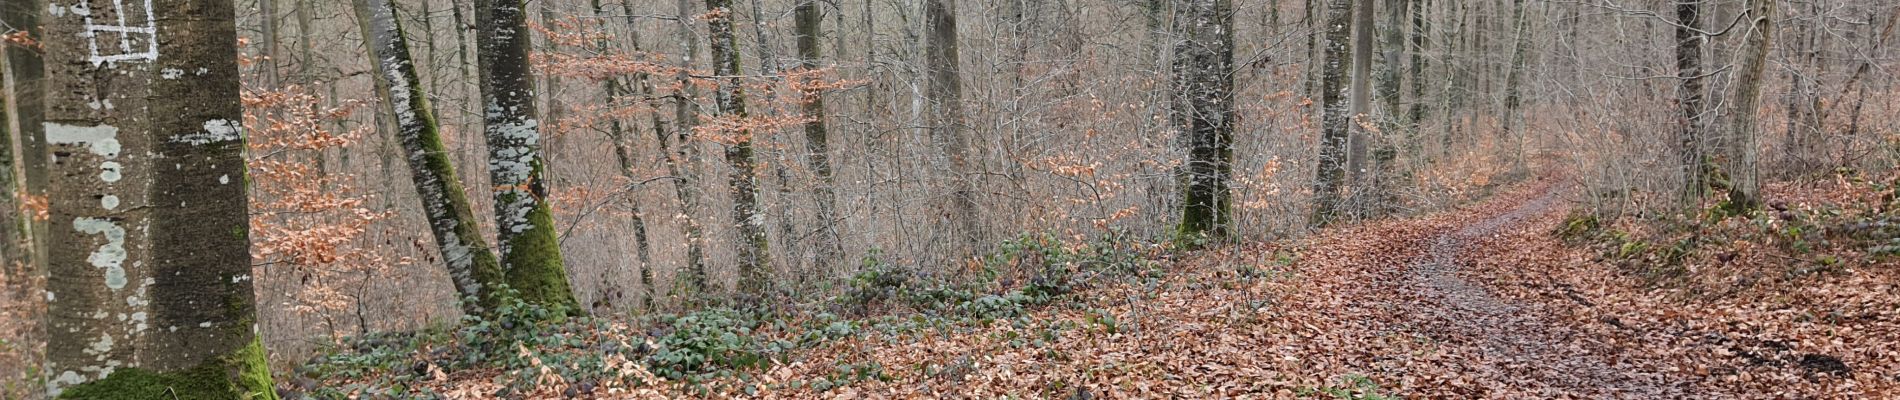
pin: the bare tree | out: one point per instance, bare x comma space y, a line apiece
472, 267
944, 93
1204, 113
1739, 151
1689, 99
807, 18
755, 258
149, 206
530, 253
1335, 121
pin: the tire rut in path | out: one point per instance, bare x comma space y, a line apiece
1517, 347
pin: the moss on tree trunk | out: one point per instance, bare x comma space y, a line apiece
530, 251
241, 375
1204, 112
472, 267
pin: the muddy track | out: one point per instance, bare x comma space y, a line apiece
1516, 344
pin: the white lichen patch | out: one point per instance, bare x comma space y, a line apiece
109, 256
101, 346
109, 202
102, 140
216, 130
109, 171
171, 73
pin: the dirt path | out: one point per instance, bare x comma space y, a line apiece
1514, 342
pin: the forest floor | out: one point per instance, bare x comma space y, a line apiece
1512, 297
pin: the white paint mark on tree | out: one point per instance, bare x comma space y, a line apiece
135, 42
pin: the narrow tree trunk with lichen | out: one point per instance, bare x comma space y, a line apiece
623, 152
530, 252
472, 267
944, 93
683, 161
806, 20
748, 220
1204, 112
1335, 122
149, 206
1738, 146
1689, 101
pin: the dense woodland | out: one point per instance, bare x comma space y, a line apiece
247, 199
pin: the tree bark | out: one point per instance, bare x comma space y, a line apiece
1359, 138
807, 21
944, 93
1513, 80
530, 252
1336, 120
1689, 101
1739, 147
1204, 112
1421, 35
747, 219
473, 268
149, 207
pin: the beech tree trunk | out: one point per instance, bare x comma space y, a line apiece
22, 89
807, 18
530, 252
472, 266
1335, 123
1361, 99
1204, 112
1739, 152
149, 205
1513, 82
944, 93
684, 162
1689, 100
747, 218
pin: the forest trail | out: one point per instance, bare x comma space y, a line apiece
1380, 307
1514, 341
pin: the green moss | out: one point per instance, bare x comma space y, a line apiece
534, 264
243, 375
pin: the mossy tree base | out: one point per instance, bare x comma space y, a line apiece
244, 375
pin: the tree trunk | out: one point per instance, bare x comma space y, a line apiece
1421, 34
623, 152
21, 251
1361, 100
471, 265
24, 93
944, 93
1335, 122
530, 252
268, 31
807, 19
1738, 147
747, 218
1689, 100
1204, 112
149, 206
684, 162
1513, 80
